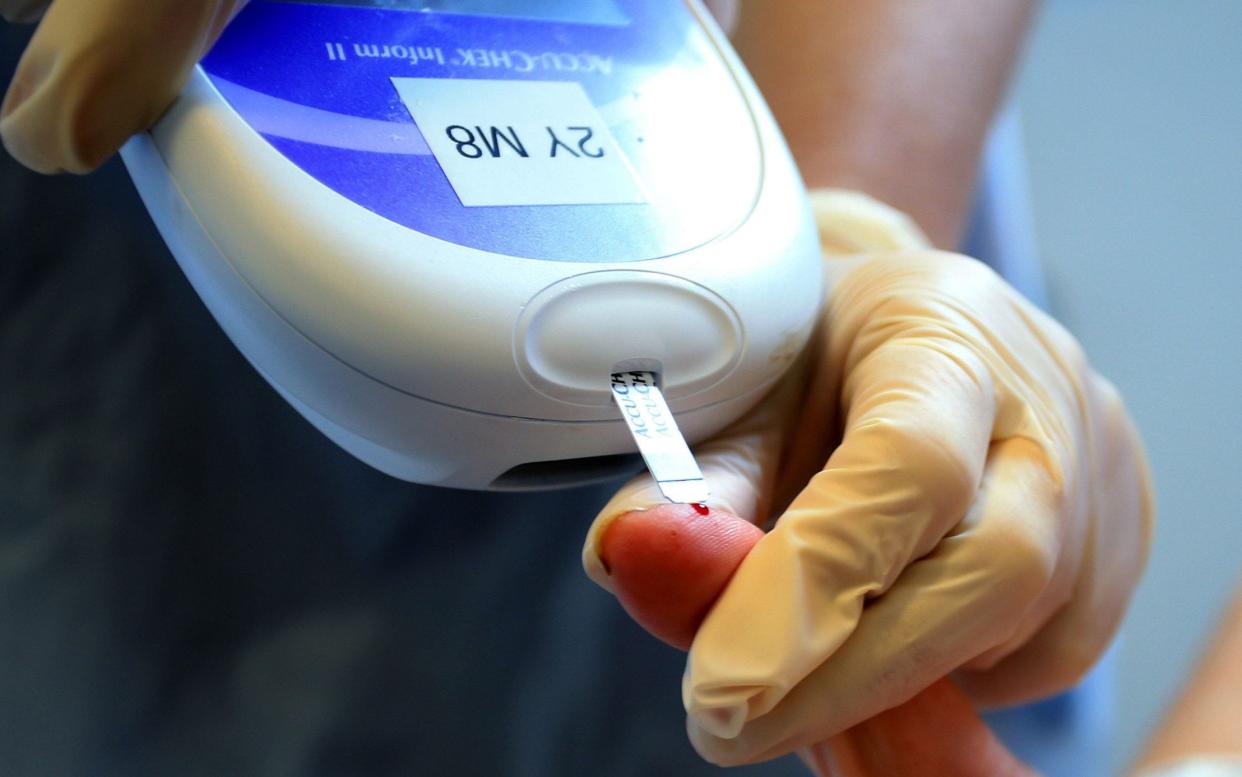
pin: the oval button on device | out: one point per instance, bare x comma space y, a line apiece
573, 334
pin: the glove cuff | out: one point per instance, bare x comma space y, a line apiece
851, 222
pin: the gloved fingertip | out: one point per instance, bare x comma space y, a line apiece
19, 145
721, 722
724, 751
13, 100
33, 72
42, 126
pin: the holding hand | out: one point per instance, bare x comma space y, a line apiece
98, 71
956, 491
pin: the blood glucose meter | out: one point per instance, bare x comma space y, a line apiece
437, 228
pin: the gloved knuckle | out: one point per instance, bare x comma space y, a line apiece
954, 270
722, 752
1073, 354
1020, 559
951, 482
945, 473
1112, 443
1067, 663
1111, 405
932, 287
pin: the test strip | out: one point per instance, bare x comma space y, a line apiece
659, 440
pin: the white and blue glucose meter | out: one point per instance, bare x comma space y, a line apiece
437, 228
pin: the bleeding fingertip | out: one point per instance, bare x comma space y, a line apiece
667, 565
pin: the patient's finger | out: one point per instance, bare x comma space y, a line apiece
667, 565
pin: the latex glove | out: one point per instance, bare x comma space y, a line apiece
671, 564
984, 509
98, 71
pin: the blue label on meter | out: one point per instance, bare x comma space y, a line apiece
583, 130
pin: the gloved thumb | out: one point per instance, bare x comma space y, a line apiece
98, 71
668, 565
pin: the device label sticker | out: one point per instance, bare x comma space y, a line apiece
505, 142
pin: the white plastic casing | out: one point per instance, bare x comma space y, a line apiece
447, 365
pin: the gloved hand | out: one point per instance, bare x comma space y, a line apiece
669, 566
984, 508
98, 71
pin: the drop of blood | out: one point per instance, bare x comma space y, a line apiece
700, 508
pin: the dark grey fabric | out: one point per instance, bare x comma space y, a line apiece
193, 581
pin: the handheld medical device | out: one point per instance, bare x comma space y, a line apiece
439, 227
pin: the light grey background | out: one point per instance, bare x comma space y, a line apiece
1132, 111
